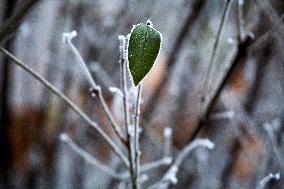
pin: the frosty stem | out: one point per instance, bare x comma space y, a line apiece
96, 89
129, 133
136, 135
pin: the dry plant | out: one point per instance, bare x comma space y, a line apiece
126, 141
129, 137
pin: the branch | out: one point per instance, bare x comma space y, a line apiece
136, 135
96, 89
170, 176
71, 104
95, 162
130, 146
12, 23
212, 58
240, 19
155, 164
123, 68
89, 158
150, 166
167, 141
273, 142
239, 55
228, 114
268, 179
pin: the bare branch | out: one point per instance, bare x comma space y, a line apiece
123, 63
239, 55
170, 176
153, 165
267, 179
150, 166
12, 23
212, 58
129, 141
229, 114
74, 107
95, 162
273, 142
89, 158
167, 141
136, 135
67, 37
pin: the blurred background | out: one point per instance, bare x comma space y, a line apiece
245, 99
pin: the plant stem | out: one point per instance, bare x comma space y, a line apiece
136, 135
129, 139
123, 63
95, 88
170, 176
206, 80
267, 179
89, 158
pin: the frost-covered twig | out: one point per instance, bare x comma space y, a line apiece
122, 176
71, 104
129, 140
67, 38
123, 62
267, 179
273, 141
155, 164
136, 134
167, 141
150, 166
89, 158
115, 91
223, 115
170, 176
96, 89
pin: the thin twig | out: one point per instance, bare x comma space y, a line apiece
123, 63
206, 80
170, 176
129, 134
273, 142
89, 158
150, 166
239, 55
267, 179
95, 88
71, 104
265, 36
136, 135
167, 141
155, 164
12, 23
228, 114
271, 13
239, 18
122, 57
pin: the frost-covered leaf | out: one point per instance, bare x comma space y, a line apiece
143, 49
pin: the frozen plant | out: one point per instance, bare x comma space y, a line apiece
128, 135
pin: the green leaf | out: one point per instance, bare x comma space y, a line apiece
143, 49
